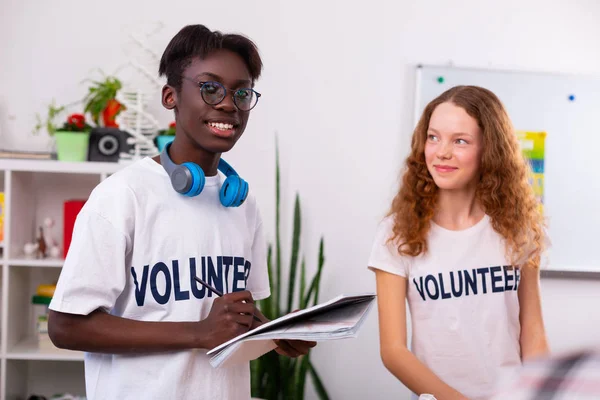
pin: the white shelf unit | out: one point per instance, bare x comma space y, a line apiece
34, 190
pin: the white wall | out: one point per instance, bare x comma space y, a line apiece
338, 89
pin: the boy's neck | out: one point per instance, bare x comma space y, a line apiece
458, 209
181, 152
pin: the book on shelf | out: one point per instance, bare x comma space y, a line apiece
27, 155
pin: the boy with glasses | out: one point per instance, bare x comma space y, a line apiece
128, 293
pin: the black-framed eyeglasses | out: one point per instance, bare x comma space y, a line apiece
245, 99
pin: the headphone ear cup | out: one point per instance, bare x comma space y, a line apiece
233, 190
197, 177
242, 192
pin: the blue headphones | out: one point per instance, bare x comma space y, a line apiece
188, 179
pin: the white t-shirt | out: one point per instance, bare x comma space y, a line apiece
463, 304
135, 245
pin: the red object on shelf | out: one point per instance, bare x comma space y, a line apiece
113, 108
71, 209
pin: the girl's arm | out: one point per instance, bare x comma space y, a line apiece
533, 335
391, 297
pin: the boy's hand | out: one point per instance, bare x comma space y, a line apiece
293, 348
230, 316
289, 348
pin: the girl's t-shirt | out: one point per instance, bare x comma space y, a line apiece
464, 307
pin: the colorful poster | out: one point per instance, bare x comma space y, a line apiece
532, 145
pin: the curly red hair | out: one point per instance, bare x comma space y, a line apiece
503, 191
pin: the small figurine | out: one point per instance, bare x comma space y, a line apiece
30, 249
54, 251
49, 237
53, 248
41, 250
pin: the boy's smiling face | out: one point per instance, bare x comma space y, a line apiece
212, 128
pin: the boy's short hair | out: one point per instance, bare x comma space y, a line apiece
198, 41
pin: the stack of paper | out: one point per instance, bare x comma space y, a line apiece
339, 318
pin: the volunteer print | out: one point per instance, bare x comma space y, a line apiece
467, 282
225, 273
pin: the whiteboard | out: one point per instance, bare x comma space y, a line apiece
567, 108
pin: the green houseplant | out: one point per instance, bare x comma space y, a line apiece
54, 111
72, 137
101, 100
275, 377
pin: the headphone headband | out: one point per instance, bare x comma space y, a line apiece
225, 168
166, 161
188, 179
170, 166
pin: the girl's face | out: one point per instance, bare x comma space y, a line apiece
453, 148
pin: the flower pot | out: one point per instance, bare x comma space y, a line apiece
72, 146
163, 140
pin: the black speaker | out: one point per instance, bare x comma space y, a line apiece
107, 143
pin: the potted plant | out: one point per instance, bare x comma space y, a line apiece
54, 111
101, 100
165, 136
275, 377
72, 138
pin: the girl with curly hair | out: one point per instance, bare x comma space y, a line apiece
462, 245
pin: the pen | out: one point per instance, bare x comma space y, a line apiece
218, 293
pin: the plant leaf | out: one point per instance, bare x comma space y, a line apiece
294, 256
302, 284
319, 387
277, 229
288, 377
319, 270
311, 290
255, 375
300, 376
266, 305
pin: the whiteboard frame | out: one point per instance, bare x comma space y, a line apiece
579, 272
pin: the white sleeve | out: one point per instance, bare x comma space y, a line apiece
94, 272
384, 254
258, 278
